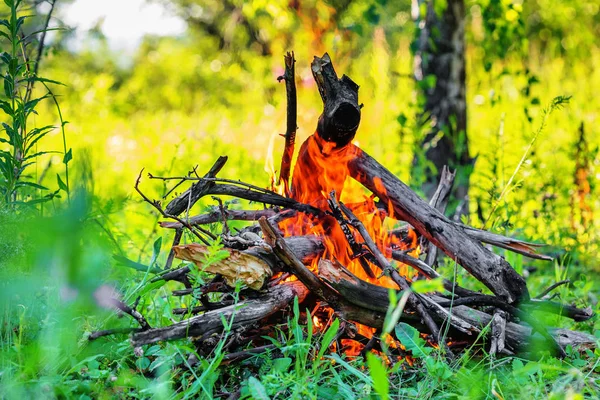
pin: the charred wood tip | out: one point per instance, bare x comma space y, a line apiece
341, 111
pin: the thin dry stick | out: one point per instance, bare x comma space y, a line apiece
156, 204
439, 201
552, 287
292, 112
118, 304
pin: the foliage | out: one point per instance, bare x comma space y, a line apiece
17, 186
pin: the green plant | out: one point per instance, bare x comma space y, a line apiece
17, 184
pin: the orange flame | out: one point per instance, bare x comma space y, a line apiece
320, 169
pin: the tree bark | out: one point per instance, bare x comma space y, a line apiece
439, 68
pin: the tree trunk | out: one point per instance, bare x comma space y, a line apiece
439, 68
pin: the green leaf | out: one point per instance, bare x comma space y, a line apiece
61, 184
135, 265
68, 156
151, 286
409, 337
156, 250
30, 184
8, 86
281, 364
6, 107
257, 390
428, 286
379, 375
328, 337
402, 120
44, 80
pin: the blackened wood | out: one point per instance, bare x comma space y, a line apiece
400, 280
243, 313
188, 198
489, 268
288, 257
262, 197
292, 118
341, 111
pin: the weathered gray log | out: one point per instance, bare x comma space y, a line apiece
188, 198
243, 314
492, 270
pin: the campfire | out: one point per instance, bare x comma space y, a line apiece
342, 253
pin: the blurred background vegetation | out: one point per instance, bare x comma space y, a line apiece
174, 101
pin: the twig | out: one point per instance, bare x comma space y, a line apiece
292, 112
552, 287
110, 332
156, 204
245, 354
439, 201
188, 198
118, 304
215, 216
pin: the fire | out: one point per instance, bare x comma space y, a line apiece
320, 169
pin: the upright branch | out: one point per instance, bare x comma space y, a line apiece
292, 119
439, 201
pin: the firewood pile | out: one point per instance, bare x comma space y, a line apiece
340, 255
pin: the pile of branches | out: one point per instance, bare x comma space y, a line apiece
264, 260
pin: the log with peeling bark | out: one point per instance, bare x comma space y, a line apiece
241, 314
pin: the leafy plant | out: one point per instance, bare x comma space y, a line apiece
17, 184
